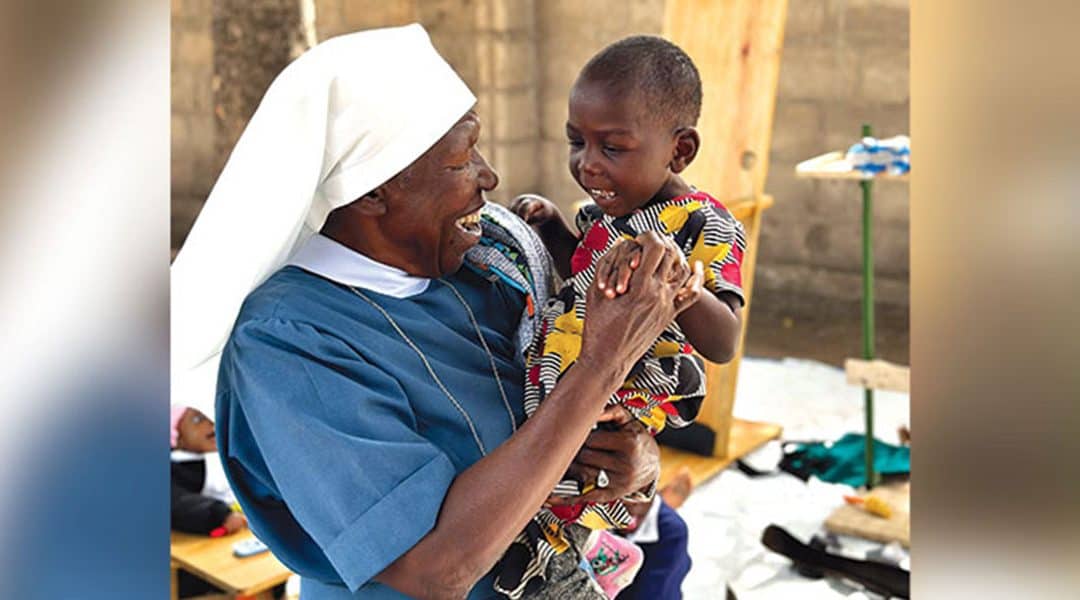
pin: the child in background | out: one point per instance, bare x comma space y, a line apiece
201, 502
632, 113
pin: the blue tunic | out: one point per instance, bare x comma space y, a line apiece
337, 441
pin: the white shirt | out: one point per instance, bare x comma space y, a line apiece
336, 262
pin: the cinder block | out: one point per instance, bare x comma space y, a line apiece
562, 61
203, 8
885, 75
876, 24
514, 62
844, 286
798, 130
553, 116
892, 205
462, 52
446, 15
513, 15
805, 18
518, 168
574, 18
516, 116
843, 122
193, 47
645, 16
813, 72
368, 14
555, 180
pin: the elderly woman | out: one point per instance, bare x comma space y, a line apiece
369, 389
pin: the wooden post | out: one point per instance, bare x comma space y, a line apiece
736, 45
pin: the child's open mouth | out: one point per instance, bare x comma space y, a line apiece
601, 195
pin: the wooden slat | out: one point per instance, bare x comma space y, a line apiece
736, 46
833, 165
744, 437
878, 375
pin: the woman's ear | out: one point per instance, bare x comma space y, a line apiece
371, 204
687, 142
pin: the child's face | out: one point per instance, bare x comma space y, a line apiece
618, 154
196, 432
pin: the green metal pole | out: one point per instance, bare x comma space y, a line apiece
868, 313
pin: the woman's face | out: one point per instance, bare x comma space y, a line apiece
433, 205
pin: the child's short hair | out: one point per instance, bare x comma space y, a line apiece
656, 68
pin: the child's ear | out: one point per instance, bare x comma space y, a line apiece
687, 142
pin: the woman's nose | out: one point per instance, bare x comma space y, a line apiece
488, 178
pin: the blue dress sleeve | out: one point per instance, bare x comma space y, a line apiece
340, 442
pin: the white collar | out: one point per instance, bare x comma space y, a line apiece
336, 262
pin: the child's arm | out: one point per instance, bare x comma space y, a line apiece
549, 224
712, 325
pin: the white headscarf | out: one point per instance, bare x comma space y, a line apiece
338, 122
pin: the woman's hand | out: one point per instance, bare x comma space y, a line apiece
629, 456
618, 331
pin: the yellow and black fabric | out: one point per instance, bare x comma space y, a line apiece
664, 388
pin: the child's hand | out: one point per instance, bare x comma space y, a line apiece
691, 291
534, 210
626, 256
234, 522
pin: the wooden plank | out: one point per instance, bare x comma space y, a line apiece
744, 208
878, 375
834, 165
851, 520
745, 436
736, 46
212, 559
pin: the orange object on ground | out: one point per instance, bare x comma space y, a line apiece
871, 504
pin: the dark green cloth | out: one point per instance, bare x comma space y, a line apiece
843, 461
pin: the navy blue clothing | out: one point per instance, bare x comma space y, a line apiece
338, 443
666, 561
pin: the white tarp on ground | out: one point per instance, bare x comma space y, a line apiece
727, 514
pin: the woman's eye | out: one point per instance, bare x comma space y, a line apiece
576, 143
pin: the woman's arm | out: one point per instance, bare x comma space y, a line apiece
490, 502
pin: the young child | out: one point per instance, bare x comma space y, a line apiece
201, 499
632, 113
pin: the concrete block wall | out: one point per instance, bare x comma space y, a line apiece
845, 62
192, 128
571, 32
492, 45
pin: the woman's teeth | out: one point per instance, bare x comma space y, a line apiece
470, 222
602, 194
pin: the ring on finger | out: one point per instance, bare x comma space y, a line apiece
602, 479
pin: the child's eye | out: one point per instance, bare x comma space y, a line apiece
612, 150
